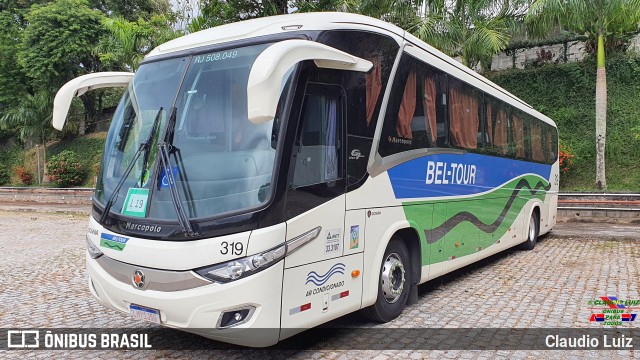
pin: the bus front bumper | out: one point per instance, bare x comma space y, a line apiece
199, 309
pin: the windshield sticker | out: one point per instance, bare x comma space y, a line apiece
355, 237
332, 242
113, 242
164, 182
223, 55
143, 180
136, 202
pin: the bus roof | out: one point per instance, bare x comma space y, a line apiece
268, 26
282, 24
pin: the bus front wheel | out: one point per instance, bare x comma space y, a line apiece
393, 284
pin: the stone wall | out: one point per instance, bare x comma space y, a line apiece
635, 44
522, 57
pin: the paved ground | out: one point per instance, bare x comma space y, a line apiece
44, 284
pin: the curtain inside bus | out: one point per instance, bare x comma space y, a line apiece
536, 142
429, 104
463, 118
518, 135
500, 132
373, 81
407, 107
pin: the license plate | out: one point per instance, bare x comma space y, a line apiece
142, 313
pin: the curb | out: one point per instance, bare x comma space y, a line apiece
43, 210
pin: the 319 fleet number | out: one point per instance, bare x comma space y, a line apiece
233, 248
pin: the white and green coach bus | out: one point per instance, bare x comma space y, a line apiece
281, 172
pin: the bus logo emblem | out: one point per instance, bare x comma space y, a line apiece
138, 279
319, 280
355, 154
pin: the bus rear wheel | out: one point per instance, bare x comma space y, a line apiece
393, 284
532, 232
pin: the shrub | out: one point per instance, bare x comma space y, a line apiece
25, 175
65, 170
566, 159
5, 177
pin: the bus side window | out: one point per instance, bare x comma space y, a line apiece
318, 159
496, 126
464, 115
415, 116
535, 140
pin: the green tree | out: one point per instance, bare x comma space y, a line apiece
473, 30
126, 42
13, 82
219, 12
31, 119
15, 6
601, 20
57, 46
132, 10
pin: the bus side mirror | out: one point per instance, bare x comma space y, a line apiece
81, 85
267, 73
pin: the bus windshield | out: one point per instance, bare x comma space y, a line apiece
221, 162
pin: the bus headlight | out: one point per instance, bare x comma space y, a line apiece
240, 268
94, 252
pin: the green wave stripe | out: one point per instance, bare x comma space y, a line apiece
458, 227
112, 245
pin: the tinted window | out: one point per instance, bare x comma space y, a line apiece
516, 143
465, 104
221, 161
318, 159
414, 117
363, 92
496, 126
428, 108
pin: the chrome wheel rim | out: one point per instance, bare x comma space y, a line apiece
532, 229
392, 278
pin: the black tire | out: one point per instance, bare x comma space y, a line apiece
389, 305
532, 232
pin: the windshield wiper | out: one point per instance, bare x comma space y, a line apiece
175, 196
144, 146
165, 148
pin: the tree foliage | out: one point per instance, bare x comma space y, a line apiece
30, 118
617, 19
13, 82
474, 30
45, 43
219, 12
65, 170
132, 10
603, 21
126, 42
57, 45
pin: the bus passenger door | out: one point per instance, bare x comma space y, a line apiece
317, 282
